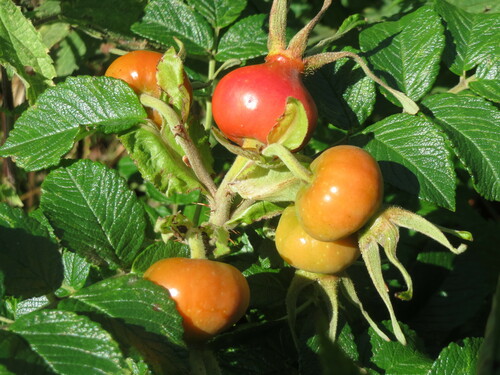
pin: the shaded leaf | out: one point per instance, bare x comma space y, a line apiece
70, 344
16, 357
29, 260
343, 93
116, 16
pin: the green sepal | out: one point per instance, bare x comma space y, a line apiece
292, 127
172, 80
272, 185
158, 161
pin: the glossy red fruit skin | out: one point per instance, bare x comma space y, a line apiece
210, 296
345, 192
302, 251
248, 101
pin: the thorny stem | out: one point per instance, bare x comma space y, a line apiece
184, 140
196, 245
316, 61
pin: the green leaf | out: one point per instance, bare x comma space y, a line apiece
47, 131
220, 13
165, 19
29, 305
406, 52
136, 301
413, 157
29, 260
116, 16
471, 39
457, 358
76, 271
69, 54
70, 344
16, 357
487, 82
472, 125
477, 6
345, 96
21, 46
245, 39
158, 251
53, 33
395, 358
158, 162
94, 213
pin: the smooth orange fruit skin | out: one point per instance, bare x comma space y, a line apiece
346, 191
210, 296
302, 251
138, 69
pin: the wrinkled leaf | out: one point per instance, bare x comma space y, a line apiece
244, 40
413, 157
94, 213
471, 123
406, 52
47, 131
165, 19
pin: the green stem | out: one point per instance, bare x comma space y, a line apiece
6, 320
211, 364
316, 61
291, 162
224, 196
462, 85
208, 108
196, 361
183, 139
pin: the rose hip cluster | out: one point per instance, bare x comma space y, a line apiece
318, 233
